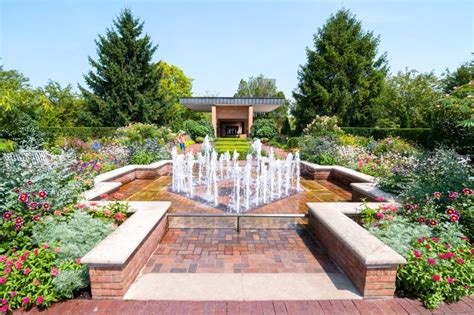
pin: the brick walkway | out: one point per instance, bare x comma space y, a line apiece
315, 191
393, 306
227, 251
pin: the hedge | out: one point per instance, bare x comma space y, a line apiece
83, 133
421, 136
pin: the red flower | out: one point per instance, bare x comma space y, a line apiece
42, 194
421, 220
435, 239
467, 191
19, 220
18, 265
417, 254
428, 246
450, 211
436, 277
432, 222
81, 205
460, 261
33, 205
437, 195
36, 217
7, 215
450, 280
45, 205
26, 271
25, 300
380, 215
431, 261
408, 207
454, 218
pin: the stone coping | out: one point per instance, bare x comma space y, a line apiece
372, 191
119, 172
369, 249
120, 245
344, 171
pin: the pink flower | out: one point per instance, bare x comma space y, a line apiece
42, 194
13, 293
453, 195
57, 250
54, 271
26, 271
81, 205
104, 196
467, 191
4, 309
18, 265
420, 240
57, 212
460, 261
389, 217
3, 280
7, 270
4, 301
36, 282
39, 300
380, 215
431, 261
36, 252
437, 195
435, 239
45, 246
436, 277
417, 254
78, 261
25, 300
3, 258
119, 216
93, 203
421, 220
380, 199
450, 280
9, 262
107, 212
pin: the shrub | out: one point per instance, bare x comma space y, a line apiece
148, 152
263, 128
83, 133
421, 136
200, 128
142, 158
6, 146
140, 133
293, 142
437, 271
439, 171
320, 150
70, 281
199, 139
323, 126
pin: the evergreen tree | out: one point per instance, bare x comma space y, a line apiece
124, 87
343, 75
463, 75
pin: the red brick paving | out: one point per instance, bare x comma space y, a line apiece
228, 251
393, 306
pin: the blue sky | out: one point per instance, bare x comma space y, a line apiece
219, 42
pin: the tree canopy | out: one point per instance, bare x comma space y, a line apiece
343, 75
461, 76
124, 85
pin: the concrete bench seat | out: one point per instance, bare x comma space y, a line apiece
370, 190
367, 261
116, 261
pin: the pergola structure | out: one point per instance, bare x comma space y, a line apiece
232, 116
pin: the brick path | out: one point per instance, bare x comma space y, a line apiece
315, 191
226, 250
393, 306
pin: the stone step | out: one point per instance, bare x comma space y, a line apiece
242, 287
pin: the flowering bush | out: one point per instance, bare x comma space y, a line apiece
26, 278
437, 271
323, 126
114, 212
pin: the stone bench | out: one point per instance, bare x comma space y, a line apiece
117, 260
371, 192
367, 261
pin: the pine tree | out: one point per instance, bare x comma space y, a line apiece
343, 75
124, 86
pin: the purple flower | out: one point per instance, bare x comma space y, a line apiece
23, 197
450, 211
7, 215
453, 195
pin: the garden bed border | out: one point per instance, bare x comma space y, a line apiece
117, 260
368, 262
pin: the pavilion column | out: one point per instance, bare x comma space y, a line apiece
250, 121
214, 120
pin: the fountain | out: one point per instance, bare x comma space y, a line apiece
237, 186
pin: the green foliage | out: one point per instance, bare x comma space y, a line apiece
293, 142
420, 136
140, 133
343, 75
75, 236
201, 128
321, 150
150, 151
124, 86
453, 120
461, 76
173, 85
199, 139
6, 146
439, 171
83, 133
26, 278
437, 272
407, 100
263, 128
